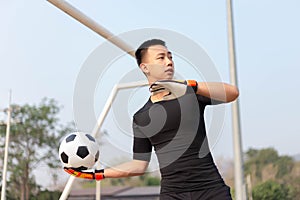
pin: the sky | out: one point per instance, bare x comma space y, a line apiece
43, 51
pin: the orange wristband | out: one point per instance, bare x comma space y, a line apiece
99, 174
193, 84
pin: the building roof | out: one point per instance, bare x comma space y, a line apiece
118, 191
104, 191
140, 191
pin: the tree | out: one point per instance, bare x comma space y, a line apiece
272, 174
46, 194
257, 160
152, 181
271, 190
34, 140
285, 165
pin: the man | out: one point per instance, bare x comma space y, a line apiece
172, 122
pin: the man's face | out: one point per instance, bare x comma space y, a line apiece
157, 63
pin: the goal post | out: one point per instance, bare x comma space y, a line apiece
98, 126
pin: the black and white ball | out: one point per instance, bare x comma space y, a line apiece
79, 150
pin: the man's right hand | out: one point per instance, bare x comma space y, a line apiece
96, 174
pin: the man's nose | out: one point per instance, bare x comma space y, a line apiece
169, 62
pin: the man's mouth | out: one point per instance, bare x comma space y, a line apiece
169, 70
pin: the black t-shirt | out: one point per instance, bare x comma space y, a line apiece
176, 130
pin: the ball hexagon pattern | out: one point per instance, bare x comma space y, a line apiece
79, 150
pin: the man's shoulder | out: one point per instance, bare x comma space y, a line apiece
145, 107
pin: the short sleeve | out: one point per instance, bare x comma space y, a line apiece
142, 147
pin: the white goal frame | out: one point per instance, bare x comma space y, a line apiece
97, 128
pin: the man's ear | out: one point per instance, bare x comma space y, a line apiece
144, 68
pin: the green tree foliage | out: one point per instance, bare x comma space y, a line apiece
152, 181
34, 140
272, 176
285, 165
271, 190
47, 195
256, 160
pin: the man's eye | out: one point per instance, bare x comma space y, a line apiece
161, 57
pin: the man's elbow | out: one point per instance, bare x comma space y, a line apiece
140, 167
137, 172
234, 94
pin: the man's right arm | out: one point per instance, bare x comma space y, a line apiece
131, 168
141, 155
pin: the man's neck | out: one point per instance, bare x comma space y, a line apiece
159, 96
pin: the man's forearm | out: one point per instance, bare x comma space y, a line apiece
132, 168
218, 91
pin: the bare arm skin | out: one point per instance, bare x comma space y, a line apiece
218, 91
131, 168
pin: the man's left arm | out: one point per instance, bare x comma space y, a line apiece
218, 91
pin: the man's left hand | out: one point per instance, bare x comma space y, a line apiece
175, 88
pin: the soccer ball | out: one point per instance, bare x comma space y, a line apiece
79, 150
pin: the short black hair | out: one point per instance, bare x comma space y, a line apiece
140, 52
